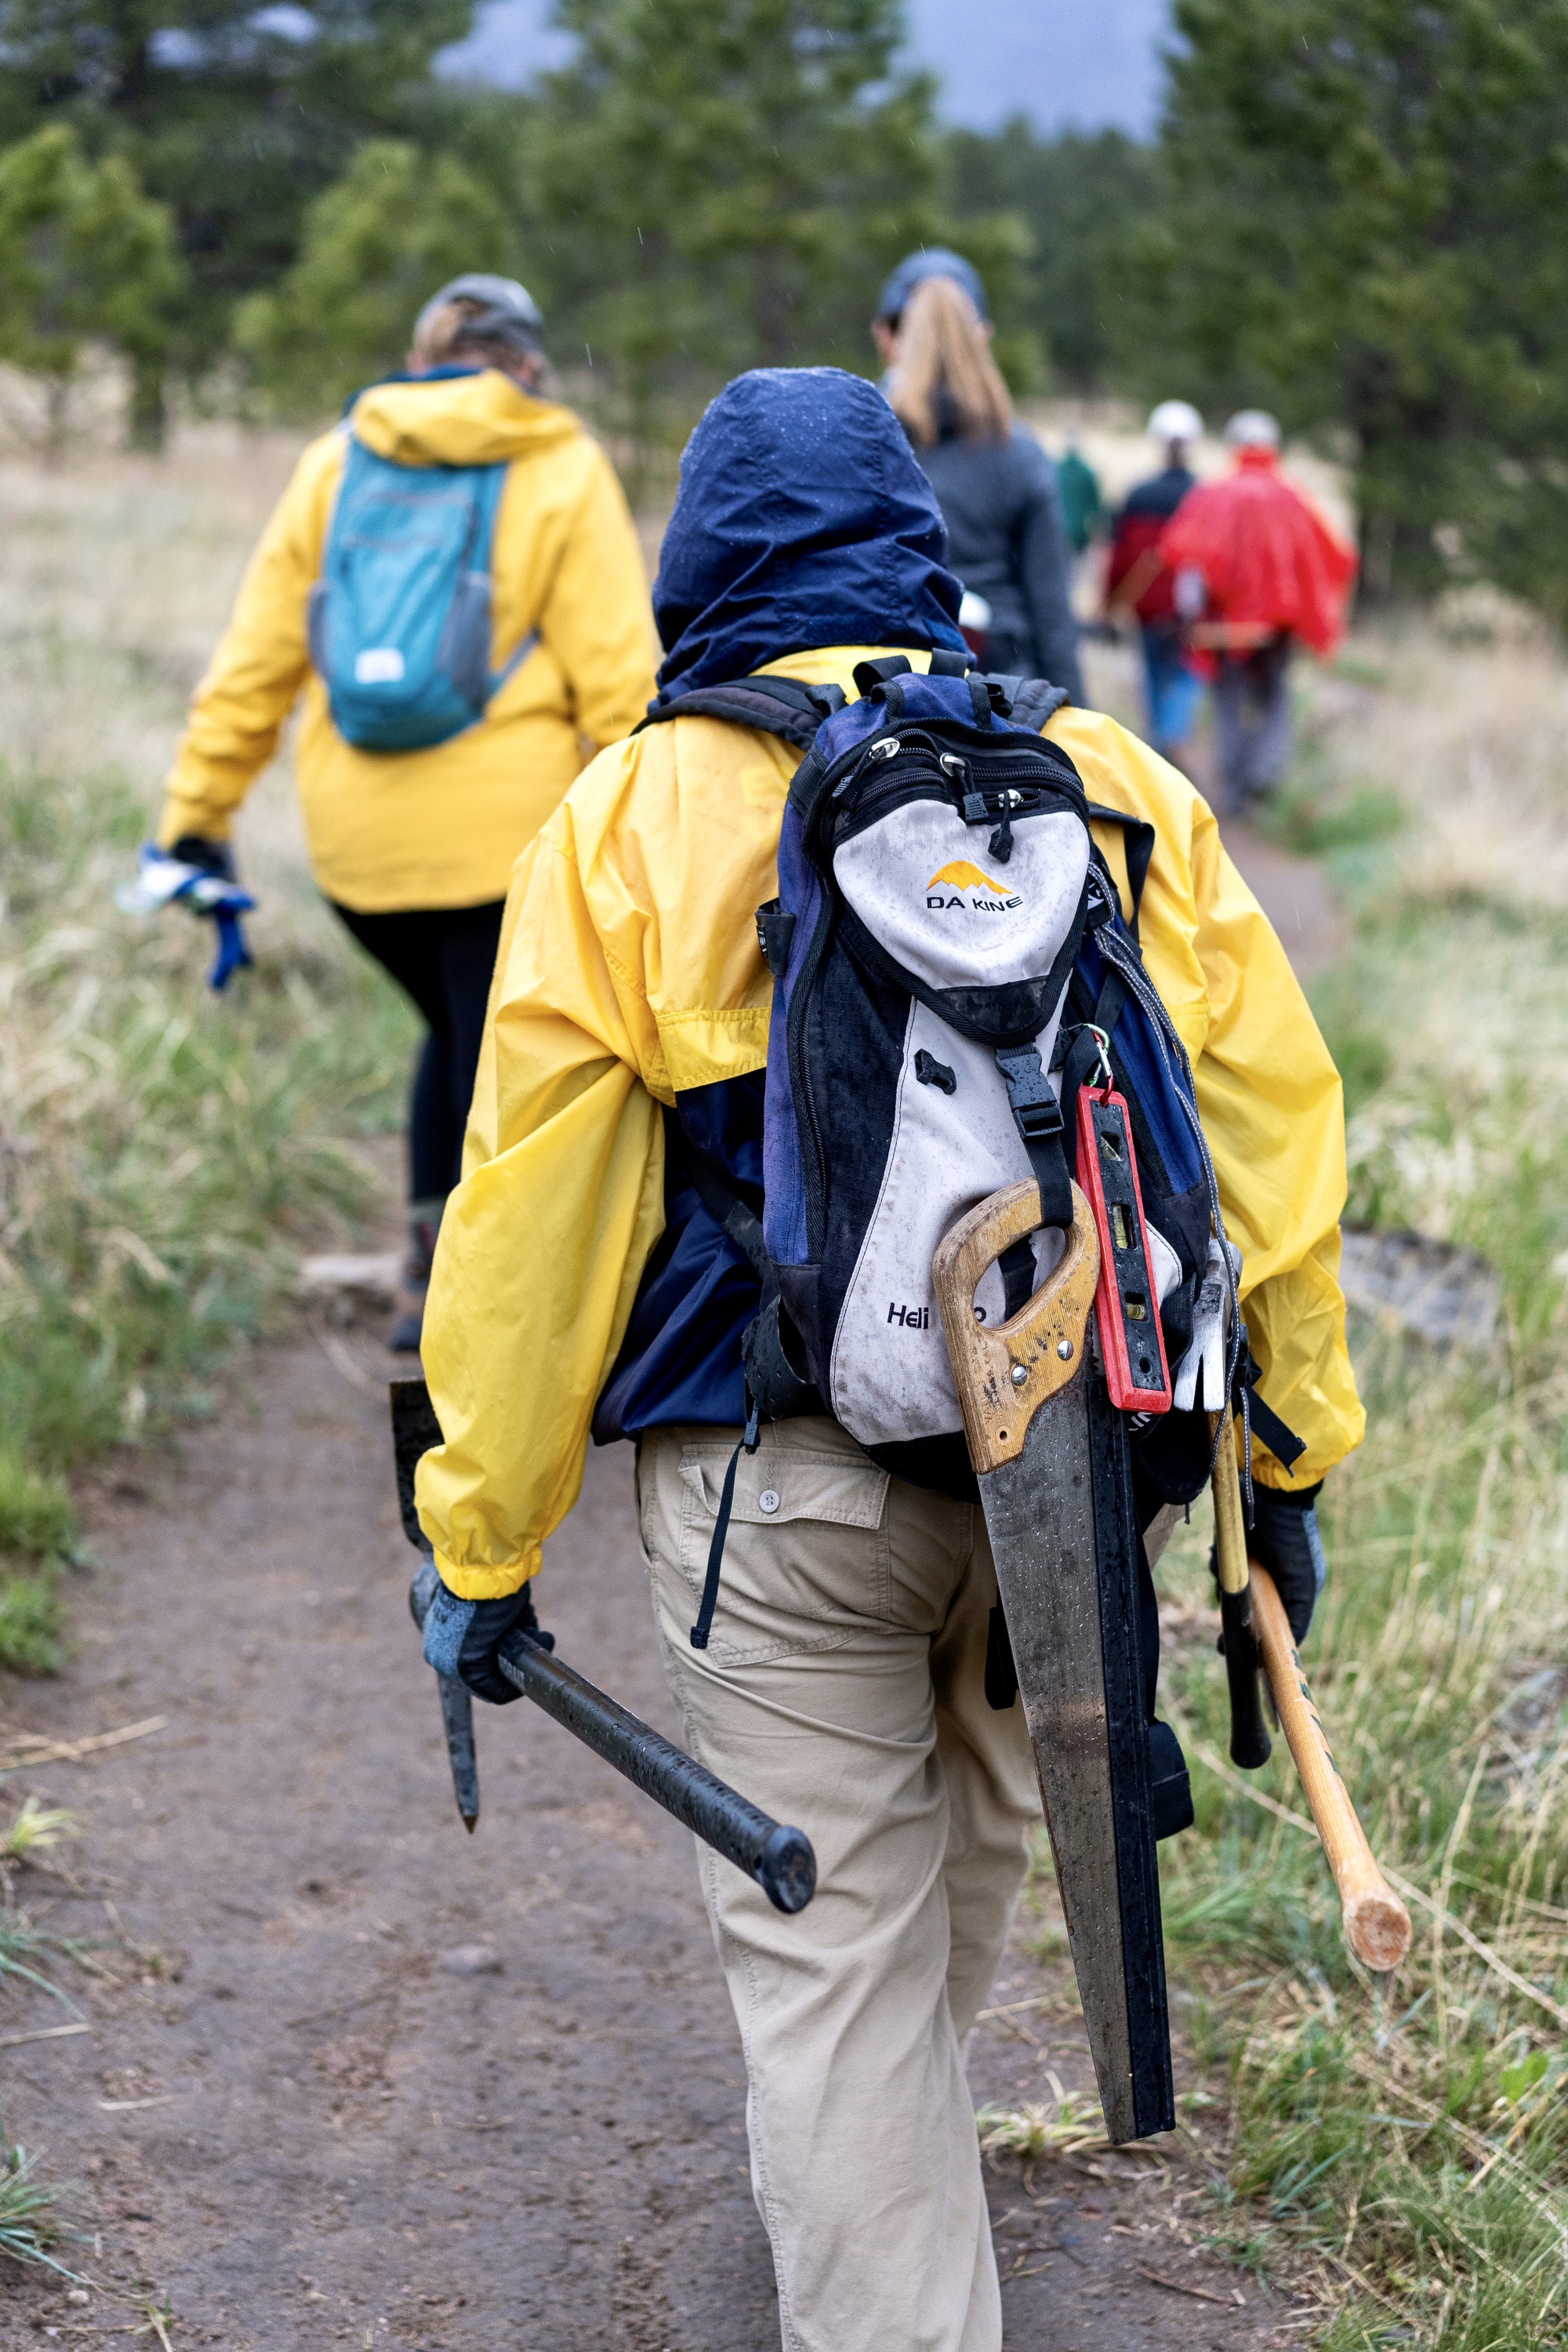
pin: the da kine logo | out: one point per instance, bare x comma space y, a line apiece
949, 883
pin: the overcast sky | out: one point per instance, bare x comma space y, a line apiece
1083, 63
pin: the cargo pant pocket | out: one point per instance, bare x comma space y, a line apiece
806, 1564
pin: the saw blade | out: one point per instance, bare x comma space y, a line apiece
1070, 1619
1050, 1454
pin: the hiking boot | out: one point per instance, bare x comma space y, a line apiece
407, 1331
423, 1224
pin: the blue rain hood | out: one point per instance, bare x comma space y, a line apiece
802, 519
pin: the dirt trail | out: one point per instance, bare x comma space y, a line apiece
1294, 894
299, 2124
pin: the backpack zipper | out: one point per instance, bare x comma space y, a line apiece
901, 785
811, 1155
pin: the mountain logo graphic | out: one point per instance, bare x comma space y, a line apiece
962, 876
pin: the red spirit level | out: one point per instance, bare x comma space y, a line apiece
1126, 1303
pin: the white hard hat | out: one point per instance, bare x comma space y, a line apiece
1175, 420
1253, 428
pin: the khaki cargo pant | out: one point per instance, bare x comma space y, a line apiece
843, 1691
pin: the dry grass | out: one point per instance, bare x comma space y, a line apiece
163, 1153
1466, 724
120, 574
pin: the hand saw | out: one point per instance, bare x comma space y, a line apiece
1050, 1454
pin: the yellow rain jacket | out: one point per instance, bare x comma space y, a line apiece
629, 969
439, 827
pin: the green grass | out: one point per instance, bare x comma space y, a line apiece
164, 1155
31, 2222
1451, 1026
1399, 2149
1410, 2134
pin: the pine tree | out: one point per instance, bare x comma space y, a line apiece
1364, 228
720, 183
234, 115
375, 246
1076, 200
85, 257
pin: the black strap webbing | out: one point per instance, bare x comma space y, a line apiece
709, 1601
1281, 1440
1138, 846
771, 706
1038, 1115
1112, 996
728, 1211
1016, 1267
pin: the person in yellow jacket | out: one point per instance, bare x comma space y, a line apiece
584, 1287
414, 848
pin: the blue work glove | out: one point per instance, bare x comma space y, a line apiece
1284, 1540
200, 875
461, 1638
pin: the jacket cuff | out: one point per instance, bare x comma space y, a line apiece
182, 816
488, 1583
1289, 1498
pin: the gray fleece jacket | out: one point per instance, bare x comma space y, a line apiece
1004, 522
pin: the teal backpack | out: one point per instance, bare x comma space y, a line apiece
399, 622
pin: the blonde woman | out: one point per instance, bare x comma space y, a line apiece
995, 484
416, 813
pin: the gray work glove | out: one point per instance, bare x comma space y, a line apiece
1284, 1540
461, 1638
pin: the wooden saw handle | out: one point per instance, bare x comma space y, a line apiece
1377, 1924
1004, 1372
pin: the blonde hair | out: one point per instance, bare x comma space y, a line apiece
946, 376
441, 340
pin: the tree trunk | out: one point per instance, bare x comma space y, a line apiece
56, 418
772, 321
149, 418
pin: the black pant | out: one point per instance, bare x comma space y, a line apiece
1252, 722
444, 958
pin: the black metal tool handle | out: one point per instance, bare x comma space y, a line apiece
1250, 1745
778, 1858
1249, 1742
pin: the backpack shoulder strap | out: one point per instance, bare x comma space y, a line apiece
1140, 850
771, 706
1032, 700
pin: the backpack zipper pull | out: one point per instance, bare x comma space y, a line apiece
884, 747
1001, 844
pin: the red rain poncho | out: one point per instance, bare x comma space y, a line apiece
1267, 558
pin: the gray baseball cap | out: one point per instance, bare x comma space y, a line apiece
507, 313
930, 261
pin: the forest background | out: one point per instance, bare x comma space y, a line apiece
1352, 214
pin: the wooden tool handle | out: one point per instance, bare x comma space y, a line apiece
1004, 1372
1250, 1746
1377, 1924
1229, 1525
